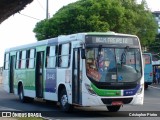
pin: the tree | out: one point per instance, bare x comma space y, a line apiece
124, 16
154, 47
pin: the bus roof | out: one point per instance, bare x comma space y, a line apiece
65, 38
109, 33
147, 54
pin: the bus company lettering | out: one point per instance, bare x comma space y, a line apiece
15, 114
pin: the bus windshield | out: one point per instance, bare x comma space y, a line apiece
147, 58
113, 64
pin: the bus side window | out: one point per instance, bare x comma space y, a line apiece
6, 61
23, 59
51, 57
47, 56
32, 58
64, 55
59, 55
27, 58
18, 60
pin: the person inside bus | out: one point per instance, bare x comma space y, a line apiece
100, 62
106, 63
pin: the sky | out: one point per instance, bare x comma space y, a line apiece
18, 29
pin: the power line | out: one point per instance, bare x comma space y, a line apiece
29, 16
40, 5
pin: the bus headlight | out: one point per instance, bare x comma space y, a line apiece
140, 89
89, 89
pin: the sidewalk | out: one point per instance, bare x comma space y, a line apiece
155, 85
0, 79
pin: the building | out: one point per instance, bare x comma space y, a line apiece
157, 17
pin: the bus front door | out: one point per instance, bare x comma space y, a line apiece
11, 76
76, 80
39, 74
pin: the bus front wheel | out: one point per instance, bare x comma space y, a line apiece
113, 108
65, 106
145, 86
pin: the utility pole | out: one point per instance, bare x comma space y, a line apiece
47, 9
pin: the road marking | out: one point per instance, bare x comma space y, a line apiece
154, 87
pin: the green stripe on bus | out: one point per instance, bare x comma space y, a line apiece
29, 88
26, 87
105, 92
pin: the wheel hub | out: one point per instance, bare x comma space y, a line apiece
64, 100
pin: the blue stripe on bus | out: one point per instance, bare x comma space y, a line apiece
131, 91
50, 83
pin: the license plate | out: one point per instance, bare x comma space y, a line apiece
117, 103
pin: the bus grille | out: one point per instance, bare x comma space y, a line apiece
110, 100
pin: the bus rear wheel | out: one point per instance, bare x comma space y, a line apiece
113, 108
21, 94
65, 106
22, 98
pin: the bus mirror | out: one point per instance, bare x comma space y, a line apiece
83, 56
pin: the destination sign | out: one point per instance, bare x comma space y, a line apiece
112, 40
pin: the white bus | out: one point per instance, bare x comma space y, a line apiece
84, 69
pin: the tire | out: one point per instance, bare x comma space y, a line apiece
21, 94
145, 86
22, 98
113, 108
65, 106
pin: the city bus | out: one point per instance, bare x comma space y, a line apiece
70, 70
148, 70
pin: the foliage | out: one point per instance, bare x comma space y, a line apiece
123, 16
154, 47
10, 7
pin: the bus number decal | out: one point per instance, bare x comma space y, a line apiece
50, 84
131, 91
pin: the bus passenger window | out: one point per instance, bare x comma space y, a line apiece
64, 55
51, 57
31, 58
47, 57
23, 63
18, 60
27, 58
6, 62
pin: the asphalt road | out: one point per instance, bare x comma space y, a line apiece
151, 108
